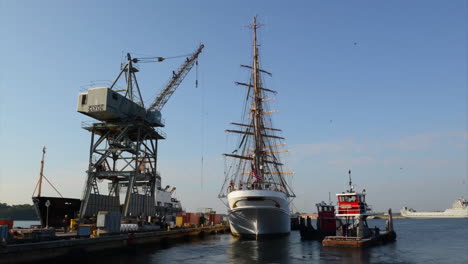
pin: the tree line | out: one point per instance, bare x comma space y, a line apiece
18, 212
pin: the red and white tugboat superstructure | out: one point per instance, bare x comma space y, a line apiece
353, 209
352, 203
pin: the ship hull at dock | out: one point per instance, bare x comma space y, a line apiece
58, 209
259, 213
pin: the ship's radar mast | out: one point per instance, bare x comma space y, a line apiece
351, 187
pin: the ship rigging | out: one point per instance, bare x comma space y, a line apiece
256, 161
258, 195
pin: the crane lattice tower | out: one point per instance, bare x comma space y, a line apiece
124, 144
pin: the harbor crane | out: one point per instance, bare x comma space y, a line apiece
123, 149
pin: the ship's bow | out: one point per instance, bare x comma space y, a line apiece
259, 213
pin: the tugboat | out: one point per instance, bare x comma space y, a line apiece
354, 230
326, 223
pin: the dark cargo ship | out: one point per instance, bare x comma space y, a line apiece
53, 210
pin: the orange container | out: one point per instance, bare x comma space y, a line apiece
215, 219
192, 218
8, 223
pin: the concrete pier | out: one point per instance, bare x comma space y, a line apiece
41, 251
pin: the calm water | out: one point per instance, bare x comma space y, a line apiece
419, 241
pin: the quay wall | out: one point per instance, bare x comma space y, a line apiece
30, 252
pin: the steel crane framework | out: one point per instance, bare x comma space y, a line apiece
123, 149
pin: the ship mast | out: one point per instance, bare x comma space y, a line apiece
257, 111
41, 174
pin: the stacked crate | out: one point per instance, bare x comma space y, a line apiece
188, 219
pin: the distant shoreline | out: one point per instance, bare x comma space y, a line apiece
20, 212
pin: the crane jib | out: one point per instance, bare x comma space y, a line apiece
175, 81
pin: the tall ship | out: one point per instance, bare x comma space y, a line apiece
459, 210
257, 193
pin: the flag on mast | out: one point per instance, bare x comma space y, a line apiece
254, 173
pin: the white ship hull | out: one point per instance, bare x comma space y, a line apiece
449, 213
258, 213
459, 210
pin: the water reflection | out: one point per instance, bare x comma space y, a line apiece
261, 251
344, 255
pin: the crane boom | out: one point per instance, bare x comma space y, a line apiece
175, 81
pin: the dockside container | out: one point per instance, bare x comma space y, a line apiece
215, 219
3, 232
179, 221
84, 230
113, 222
8, 223
192, 219
189, 219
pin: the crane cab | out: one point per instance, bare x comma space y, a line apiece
105, 104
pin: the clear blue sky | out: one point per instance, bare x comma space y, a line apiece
379, 87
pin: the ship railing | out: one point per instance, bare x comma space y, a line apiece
87, 124
161, 133
270, 186
162, 121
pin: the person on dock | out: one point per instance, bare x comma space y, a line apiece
66, 224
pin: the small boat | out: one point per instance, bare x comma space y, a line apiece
257, 194
459, 210
326, 223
